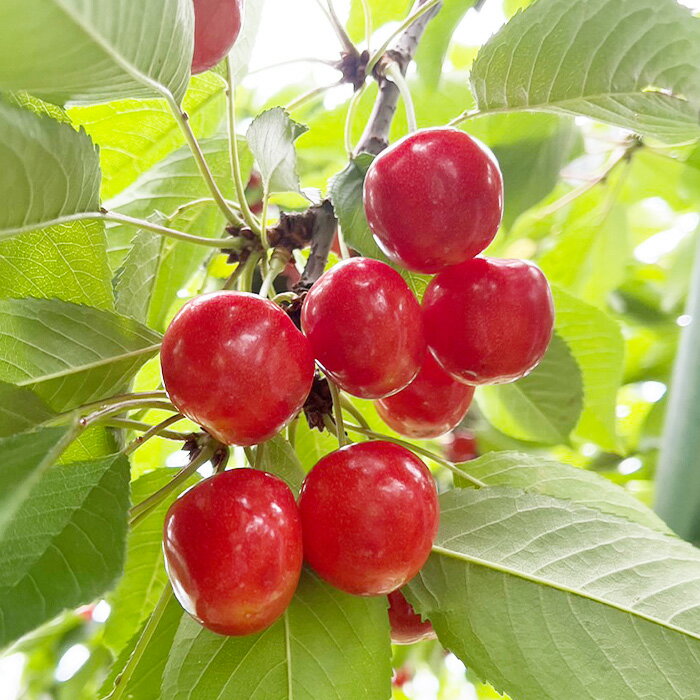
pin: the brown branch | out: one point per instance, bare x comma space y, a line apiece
324, 228
376, 135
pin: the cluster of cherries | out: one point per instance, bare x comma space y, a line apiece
235, 363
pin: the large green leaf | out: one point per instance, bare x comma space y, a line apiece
544, 406
134, 135
144, 571
20, 410
548, 599
95, 50
328, 644
173, 182
537, 474
24, 459
595, 340
632, 63
69, 354
65, 544
48, 170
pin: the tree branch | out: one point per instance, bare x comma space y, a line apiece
376, 135
324, 228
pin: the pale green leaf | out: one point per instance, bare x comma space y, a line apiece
48, 171
95, 50
328, 644
65, 544
544, 406
279, 458
548, 599
537, 474
631, 63
69, 354
596, 342
271, 138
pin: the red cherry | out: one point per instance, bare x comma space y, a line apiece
369, 515
407, 626
235, 364
216, 27
431, 405
365, 327
401, 676
434, 199
233, 550
489, 321
461, 446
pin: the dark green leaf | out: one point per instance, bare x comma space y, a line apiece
20, 410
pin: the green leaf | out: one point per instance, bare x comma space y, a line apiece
328, 644
631, 63
20, 410
96, 50
173, 182
596, 342
65, 544
25, 458
144, 571
435, 41
311, 445
542, 596
382, 11
134, 135
271, 138
279, 458
47, 169
135, 280
544, 406
69, 354
67, 262
536, 474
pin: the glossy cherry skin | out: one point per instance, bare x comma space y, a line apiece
217, 24
461, 446
365, 328
431, 405
434, 199
236, 365
233, 550
488, 320
369, 515
406, 624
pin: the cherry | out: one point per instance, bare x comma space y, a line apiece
365, 327
461, 446
488, 320
434, 199
407, 626
235, 364
233, 550
369, 515
431, 405
216, 27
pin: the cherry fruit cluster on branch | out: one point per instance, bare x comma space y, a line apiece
234, 363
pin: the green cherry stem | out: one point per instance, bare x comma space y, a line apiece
337, 413
421, 450
350, 119
160, 430
394, 73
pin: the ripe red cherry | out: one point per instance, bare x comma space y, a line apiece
216, 27
235, 364
369, 514
434, 199
461, 446
233, 550
407, 626
489, 321
365, 327
431, 405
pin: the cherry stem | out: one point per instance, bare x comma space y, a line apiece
195, 203
246, 213
128, 405
230, 283
368, 23
332, 17
421, 450
259, 454
350, 119
143, 509
337, 412
275, 268
149, 629
159, 430
350, 407
249, 455
245, 281
292, 432
309, 95
183, 122
394, 73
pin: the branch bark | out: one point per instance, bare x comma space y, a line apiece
376, 135
324, 228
